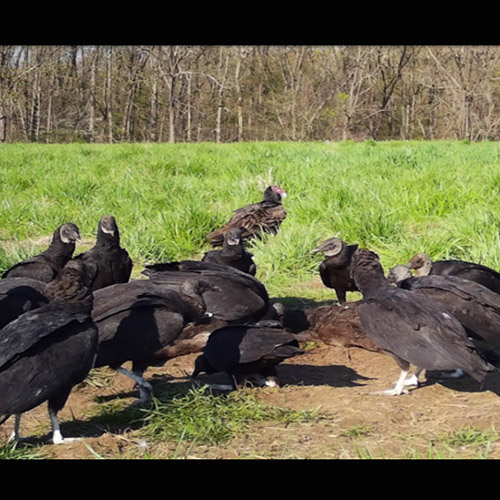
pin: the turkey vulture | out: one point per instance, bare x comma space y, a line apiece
253, 219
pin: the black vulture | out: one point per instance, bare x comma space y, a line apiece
474, 305
422, 264
138, 318
45, 352
45, 266
19, 295
411, 327
233, 253
335, 269
240, 297
254, 219
247, 353
108, 263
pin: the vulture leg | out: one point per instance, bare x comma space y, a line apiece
404, 381
453, 374
15, 433
399, 387
145, 388
272, 381
413, 379
57, 437
221, 387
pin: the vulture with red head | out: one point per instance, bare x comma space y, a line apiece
254, 219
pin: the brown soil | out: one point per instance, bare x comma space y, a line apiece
337, 381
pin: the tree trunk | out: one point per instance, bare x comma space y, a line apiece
153, 121
49, 112
35, 108
171, 110
220, 95
188, 109
239, 98
92, 97
108, 95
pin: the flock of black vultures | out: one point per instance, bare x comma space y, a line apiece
62, 315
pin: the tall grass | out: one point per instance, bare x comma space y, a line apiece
397, 198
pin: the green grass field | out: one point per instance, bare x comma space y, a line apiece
397, 198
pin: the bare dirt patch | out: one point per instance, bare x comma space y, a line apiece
339, 382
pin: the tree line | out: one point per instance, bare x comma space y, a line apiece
230, 93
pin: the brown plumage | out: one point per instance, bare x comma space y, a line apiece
191, 340
254, 219
336, 325
335, 269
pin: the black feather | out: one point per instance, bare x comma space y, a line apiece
233, 253
48, 350
243, 350
107, 262
484, 275
412, 327
237, 297
46, 266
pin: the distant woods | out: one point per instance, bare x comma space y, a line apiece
170, 93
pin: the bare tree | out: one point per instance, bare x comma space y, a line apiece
222, 66
467, 72
264, 92
92, 94
243, 53
359, 80
170, 70
108, 94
